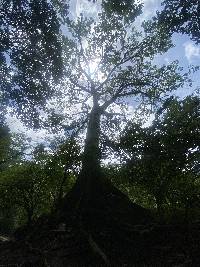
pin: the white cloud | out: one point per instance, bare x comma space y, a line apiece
192, 51
33, 137
149, 120
150, 8
84, 6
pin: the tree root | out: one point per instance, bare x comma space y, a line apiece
95, 247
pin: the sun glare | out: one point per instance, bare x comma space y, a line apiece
94, 71
93, 66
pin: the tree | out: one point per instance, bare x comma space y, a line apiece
25, 189
164, 156
5, 157
108, 62
30, 54
105, 62
35, 187
62, 167
9, 149
179, 16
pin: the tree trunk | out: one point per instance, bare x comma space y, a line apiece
90, 175
94, 201
92, 153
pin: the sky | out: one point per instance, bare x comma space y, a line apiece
185, 51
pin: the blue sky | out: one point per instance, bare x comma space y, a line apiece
185, 51
188, 54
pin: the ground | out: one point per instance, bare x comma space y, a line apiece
144, 245
113, 231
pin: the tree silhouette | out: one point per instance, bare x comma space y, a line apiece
166, 152
103, 63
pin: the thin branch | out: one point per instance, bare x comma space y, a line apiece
122, 61
107, 103
85, 59
83, 88
79, 113
75, 133
111, 114
84, 72
109, 75
134, 92
97, 249
109, 143
82, 50
95, 246
119, 93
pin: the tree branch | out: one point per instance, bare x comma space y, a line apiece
84, 72
135, 92
124, 60
81, 52
120, 93
111, 114
83, 88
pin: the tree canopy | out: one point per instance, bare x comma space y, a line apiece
179, 16
31, 24
31, 60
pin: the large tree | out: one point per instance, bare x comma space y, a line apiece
106, 61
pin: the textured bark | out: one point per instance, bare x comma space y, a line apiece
90, 175
92, 153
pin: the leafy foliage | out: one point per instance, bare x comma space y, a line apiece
30, 53
164, 156
108, 61
25, 189
179, 16
31, 188
128, 9
62, 168
5, 141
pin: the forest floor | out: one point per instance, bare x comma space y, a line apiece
115, 232
129, 245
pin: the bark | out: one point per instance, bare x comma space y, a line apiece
91, 170
92, 153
